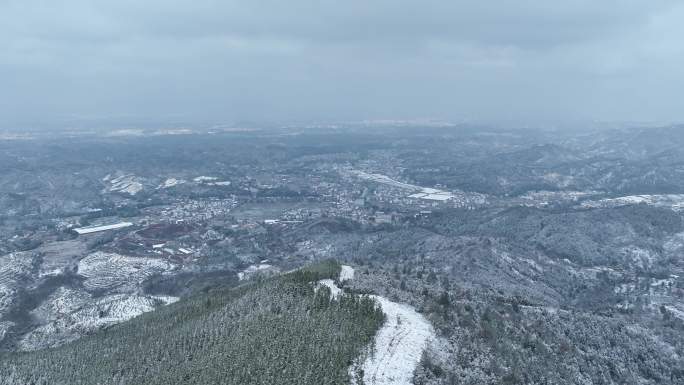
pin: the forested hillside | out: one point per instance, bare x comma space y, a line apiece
491, 337
271, 331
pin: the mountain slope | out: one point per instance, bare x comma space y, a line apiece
273, 331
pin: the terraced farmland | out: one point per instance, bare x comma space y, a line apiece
107, 271
73, 313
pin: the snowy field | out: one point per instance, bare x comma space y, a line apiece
426, 193
126, 184
71, 314
461, 198
384, 179
108, 270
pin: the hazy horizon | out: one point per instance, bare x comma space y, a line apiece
211, 61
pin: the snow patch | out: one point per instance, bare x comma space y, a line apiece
244, 274
335, 291
347, 273
203, 178
126, 184
171, 182
211, 181
223, 183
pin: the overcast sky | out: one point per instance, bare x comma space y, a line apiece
270, 60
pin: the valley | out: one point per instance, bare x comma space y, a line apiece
533, 249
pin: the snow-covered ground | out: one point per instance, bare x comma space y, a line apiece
72, 313
63, 301
252, 269
335, 291
110, 292
422, 193
204, 178
171, 182
127, 183
347, 273
419, 192
222, 183
211, 181
384, 179
672, 201
398, 345
109, 270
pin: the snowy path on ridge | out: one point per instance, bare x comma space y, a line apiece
399, 343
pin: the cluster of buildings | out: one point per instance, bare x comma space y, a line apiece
198, 210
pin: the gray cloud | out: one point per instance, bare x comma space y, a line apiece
306, 59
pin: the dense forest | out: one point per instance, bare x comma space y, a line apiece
278, 330
489, 337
